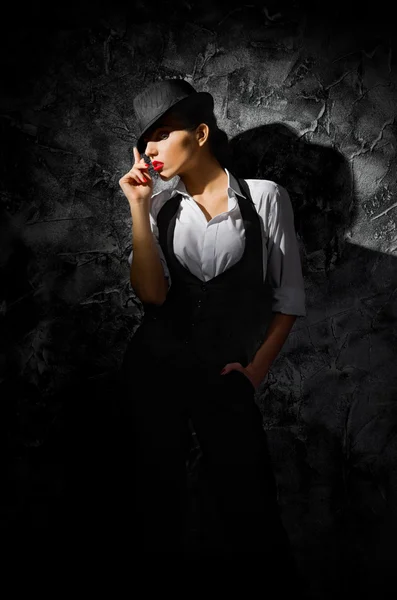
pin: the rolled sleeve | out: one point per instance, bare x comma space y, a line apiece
284, 268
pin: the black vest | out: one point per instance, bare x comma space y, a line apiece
214, 322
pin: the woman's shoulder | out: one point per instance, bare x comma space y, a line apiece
265, 192
264, 186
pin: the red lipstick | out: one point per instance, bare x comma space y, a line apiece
157, 166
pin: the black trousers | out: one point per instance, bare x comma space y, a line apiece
243, 514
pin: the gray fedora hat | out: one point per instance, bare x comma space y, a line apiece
159, 97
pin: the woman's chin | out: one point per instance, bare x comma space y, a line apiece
165, 177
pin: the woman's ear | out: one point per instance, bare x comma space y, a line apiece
202, 133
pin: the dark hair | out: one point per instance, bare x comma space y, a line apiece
189, 116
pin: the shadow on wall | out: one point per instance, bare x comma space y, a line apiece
317, 178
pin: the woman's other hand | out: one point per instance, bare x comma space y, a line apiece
254, 377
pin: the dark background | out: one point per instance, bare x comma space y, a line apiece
307, 95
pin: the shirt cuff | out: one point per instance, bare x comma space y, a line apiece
289, 301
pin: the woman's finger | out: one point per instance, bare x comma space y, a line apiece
132, 177
137, 156
142, 165
140, 175
140, 171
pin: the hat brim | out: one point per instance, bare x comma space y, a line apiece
197, 98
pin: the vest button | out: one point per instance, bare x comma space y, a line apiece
203, 287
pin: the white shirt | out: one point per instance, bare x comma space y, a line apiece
209, 248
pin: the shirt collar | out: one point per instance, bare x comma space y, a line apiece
233, 188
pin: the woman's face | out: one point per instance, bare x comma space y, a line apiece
175, 147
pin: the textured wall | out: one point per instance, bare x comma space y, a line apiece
307, 101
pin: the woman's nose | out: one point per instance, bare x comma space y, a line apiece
150, 149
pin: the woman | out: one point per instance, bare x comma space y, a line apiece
210, 259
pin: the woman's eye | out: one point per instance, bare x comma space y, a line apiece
163, 133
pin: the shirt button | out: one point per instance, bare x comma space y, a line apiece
203, 286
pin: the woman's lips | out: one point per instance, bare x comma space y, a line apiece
157, 166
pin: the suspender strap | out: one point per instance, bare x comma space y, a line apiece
244, 187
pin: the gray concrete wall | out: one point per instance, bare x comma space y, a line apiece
307, 100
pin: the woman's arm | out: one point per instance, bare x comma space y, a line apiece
285, 277
276, 335
146, 273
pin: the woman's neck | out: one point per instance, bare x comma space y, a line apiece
205, 179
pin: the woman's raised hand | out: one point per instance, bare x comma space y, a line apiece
137, 184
